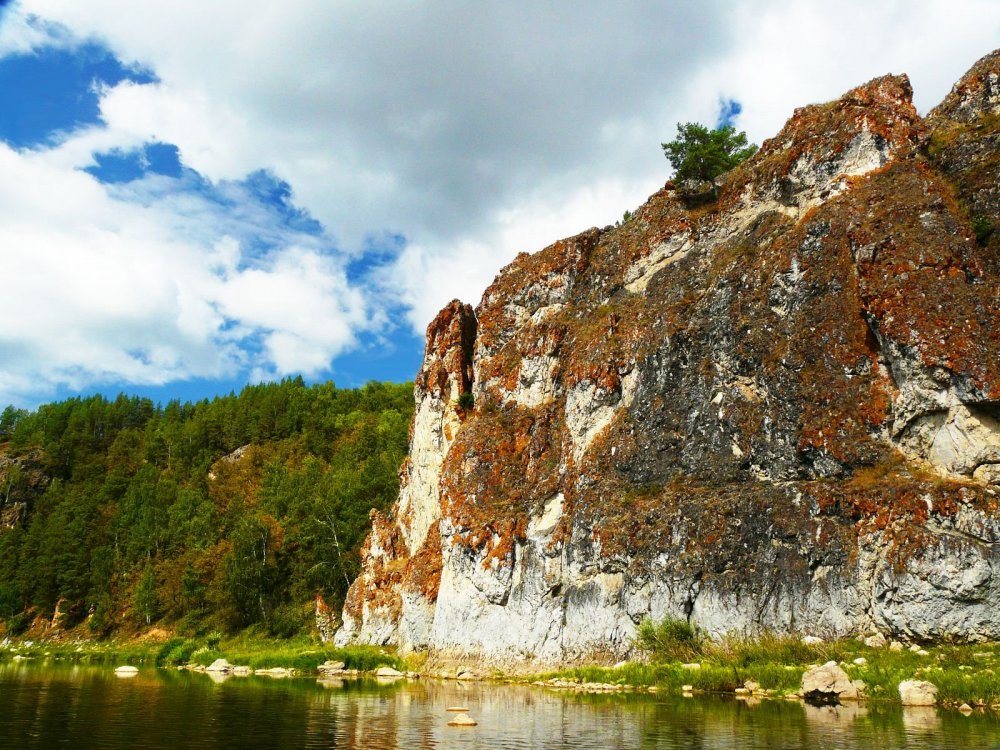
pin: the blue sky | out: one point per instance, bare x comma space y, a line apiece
205, 197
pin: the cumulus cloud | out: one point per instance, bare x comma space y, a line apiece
437, 121
472, 130
102, 288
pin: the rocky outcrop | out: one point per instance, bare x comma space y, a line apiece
777, 410
22, 479
393, 600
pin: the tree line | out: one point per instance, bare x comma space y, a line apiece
216, 515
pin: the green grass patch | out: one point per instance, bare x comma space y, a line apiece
251, 649
95, 652
962, 673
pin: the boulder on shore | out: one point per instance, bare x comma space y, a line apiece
219, 665
828, 684
918, 693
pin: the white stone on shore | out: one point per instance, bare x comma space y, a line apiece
828, 682
876, 641
917, 693
219, 665
275, 672
388, 672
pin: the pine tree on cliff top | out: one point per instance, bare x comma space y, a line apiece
702, 154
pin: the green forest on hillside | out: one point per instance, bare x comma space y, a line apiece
222, 514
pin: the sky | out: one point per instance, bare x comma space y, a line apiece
197, 195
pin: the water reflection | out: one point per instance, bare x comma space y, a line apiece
48, 706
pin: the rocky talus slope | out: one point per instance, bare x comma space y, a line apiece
780, 410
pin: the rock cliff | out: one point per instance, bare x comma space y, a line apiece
780, 410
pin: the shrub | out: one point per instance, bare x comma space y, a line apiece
286, 621
467, 401
176, 651
17, 624
670, 639
983, 227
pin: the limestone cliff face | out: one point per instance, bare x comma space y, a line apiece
779, 410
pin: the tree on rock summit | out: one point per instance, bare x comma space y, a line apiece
698, 153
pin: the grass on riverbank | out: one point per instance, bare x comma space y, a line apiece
963, 673
301, 653
250, 649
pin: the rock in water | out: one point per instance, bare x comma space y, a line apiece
828, 684
388, 672
721, 413
126, 671
219, 665
461, 719
917, 693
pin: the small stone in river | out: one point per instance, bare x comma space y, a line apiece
965, 708
219, 665
387, 672
687, 688
126, 671
462, 720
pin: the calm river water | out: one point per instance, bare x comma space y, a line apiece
52, 706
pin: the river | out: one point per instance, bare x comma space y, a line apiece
46, 705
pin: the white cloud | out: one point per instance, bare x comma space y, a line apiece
18, 35
101, 290
475, 130
792, 54
433, 120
